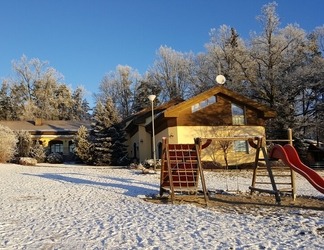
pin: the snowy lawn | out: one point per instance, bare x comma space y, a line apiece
83, 207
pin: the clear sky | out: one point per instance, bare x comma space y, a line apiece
84, 39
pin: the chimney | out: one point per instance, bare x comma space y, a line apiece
38, 121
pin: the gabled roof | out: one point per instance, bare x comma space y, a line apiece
219, 90
46, 126
141, 116
173, 107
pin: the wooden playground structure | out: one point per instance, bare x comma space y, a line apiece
181, 169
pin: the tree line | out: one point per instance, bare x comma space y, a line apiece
37, 91
281, 67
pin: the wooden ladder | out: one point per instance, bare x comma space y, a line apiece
267, 172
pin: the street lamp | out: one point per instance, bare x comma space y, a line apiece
152, 98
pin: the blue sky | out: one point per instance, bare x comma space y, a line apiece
84, 39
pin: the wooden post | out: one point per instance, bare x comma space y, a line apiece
201, 172
290, 136
292, 172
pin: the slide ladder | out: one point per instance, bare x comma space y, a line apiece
181, 168
263, 177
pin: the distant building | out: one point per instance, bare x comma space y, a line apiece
56, 136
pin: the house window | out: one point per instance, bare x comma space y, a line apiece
57, 148
238, 115
203, 104
71, 147
241, 146
195, 107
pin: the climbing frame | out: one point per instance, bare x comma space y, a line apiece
181, 168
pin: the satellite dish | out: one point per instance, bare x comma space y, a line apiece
220, 79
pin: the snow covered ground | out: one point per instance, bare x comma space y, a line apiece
83, 207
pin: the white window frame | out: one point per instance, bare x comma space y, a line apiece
241, 146
238, 119
203, 104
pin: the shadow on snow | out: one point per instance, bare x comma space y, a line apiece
128, 184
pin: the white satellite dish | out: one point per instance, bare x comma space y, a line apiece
220, 79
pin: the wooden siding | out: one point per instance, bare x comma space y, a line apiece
217, 114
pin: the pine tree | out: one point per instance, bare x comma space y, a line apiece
82, 145
119, 149
108, 136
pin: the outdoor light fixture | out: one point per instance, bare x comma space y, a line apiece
152, 98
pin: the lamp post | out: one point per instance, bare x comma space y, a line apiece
152, 98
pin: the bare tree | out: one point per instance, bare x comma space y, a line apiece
171, 71
227, 55
119, 86
36, 91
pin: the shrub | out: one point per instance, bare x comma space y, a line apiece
149, 163
54, 158
8, 142
24, 143
38, 152
27, 161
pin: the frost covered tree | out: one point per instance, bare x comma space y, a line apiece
171, 70
83, 147
283, 67
80, 108
35, 90
8, 108
143, 89
24, 143
64, 103
226, 55
32, 87
280, 67
107, 135
119, 87
8, 143
37, 152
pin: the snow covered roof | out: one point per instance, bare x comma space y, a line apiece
46, 126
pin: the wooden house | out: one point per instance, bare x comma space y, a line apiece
215, 113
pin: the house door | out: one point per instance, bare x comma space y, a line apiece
135, 150
159, 149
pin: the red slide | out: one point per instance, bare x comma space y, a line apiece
289, 156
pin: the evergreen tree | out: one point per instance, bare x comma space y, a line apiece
7, 107
107, 135
80, 108
144, 88
82, 145
24, 143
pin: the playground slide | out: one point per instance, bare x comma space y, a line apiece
289, 156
